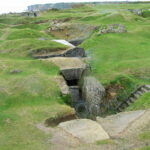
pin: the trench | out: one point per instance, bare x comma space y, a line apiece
72, 78
76, 99
71, 75
95, 92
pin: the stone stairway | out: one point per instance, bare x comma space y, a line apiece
133, 97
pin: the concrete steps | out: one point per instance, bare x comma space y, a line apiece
133, 97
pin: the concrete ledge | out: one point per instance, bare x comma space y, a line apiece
85, 130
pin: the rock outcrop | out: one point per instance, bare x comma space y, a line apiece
93, 93
112, 28
136, 11
71, 31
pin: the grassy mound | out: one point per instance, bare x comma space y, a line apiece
2, 26
25, 47
26, 33
121, 54
146, 13
1, 32
28, 92
126, 56
33, 26
14, 19
26, 99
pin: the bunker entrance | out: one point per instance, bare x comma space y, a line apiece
73, 82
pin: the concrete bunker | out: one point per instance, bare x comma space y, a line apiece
72, 77
44, 53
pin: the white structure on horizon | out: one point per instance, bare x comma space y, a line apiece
7, 6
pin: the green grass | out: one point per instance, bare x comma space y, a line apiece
30, 26
102, 142
146, 13
142, 103
24, 47
26, 33
121, 58
144, 148
1, 32
27, 99
32, 96
145, 135
14, 19
2, 26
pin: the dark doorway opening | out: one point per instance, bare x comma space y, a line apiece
73, 82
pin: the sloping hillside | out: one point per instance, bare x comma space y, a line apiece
28, 91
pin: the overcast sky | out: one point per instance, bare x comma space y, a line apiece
21, 5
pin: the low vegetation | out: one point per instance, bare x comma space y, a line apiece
105, 142
145, 135
28, 92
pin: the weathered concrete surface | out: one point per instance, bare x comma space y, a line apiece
72, 73
67, 62
75, 52
62, 85
93, 93
84, 129
71, 68
75, 94
43, 54
116, 124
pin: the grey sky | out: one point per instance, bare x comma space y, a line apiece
21, 5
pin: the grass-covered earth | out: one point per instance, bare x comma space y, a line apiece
30, 96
